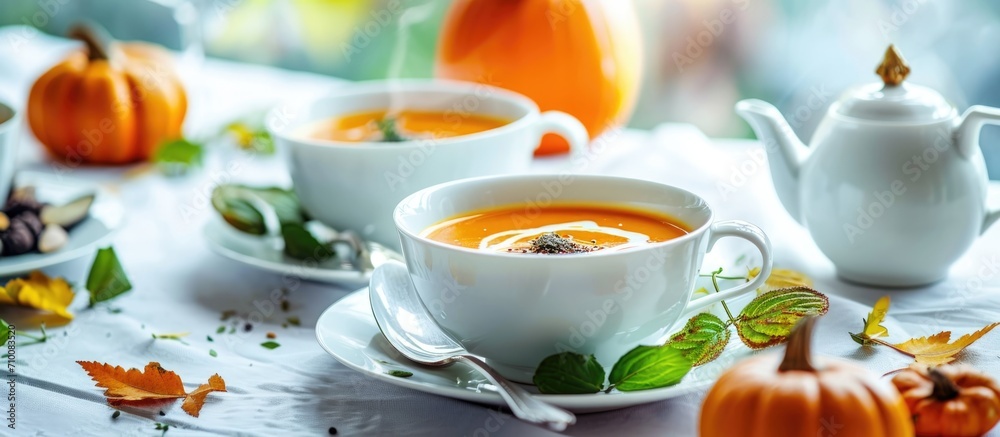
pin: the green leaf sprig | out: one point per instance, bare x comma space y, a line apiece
766, 321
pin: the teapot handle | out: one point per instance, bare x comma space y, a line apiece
967, 139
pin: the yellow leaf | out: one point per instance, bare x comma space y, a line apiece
873, 325
780, 278
936, 349
40, 292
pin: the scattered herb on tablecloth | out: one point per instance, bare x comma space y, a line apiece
209, 338
177, 157
766, 321
107, 278
294, 321
270, 345
134, 387
116, 414
931, 350
220, 329
213, 353
177, 336
399, 373
162, 426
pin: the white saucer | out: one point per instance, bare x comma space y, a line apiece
347, 330
263, 253
105, 217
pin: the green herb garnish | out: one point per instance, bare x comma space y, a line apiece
569, 373
399, 373
390, 132
213, 353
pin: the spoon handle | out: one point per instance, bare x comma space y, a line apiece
523, 404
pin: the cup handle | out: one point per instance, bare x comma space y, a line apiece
746, 231
566, 126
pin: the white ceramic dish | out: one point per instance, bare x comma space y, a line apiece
106, 216
261, 253
347, 331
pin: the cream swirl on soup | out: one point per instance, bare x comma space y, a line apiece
579, 227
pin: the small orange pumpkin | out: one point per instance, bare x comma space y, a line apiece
762, 397
583, 57
109, 104
949, 400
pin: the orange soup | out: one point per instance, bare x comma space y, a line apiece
409, 125
570, 228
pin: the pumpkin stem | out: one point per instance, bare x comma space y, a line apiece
944, 388
97, 47
797, 352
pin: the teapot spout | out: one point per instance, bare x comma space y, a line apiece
785, 152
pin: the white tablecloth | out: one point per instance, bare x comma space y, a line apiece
298, 389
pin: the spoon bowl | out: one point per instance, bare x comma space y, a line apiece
406, 324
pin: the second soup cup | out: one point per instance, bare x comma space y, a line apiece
356, 185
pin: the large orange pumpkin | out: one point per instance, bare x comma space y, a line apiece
582, 57
108, 104
797, 396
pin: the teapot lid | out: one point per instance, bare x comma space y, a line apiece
893, 100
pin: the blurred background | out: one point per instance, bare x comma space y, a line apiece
798, 55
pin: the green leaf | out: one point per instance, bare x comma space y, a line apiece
769, 318
390, 133
235, 204
300, 244
399, 373
647, 367
213, 353
569, 373
178, 156
4, 331
220, 329
702, 339
270, 345
107, 278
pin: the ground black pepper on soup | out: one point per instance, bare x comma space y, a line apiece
556, 229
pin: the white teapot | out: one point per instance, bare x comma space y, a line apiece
893, 187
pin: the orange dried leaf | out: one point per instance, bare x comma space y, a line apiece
132, 385
196, 399
936, 349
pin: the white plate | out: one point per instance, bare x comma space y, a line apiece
347, 330
105, 217
263, 253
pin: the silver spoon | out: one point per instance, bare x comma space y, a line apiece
393, 299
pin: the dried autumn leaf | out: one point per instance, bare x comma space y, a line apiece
780, 278
153, 383
132, 385
936, 349
769, 318
873, 324
40, 292
196, 399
